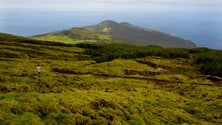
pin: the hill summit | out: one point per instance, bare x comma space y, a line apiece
132, 34
113, 32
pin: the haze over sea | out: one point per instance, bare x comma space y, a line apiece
199, 21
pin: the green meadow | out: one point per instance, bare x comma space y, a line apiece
77, 35
107, 84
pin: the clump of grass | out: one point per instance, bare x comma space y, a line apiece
74, 89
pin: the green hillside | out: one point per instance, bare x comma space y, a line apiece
113, 32
77, 35
131, 34
112, 84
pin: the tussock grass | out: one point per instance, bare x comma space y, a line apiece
77, 90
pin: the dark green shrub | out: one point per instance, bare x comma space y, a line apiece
210, 62
108, 52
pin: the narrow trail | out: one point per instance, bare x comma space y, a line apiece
156, 81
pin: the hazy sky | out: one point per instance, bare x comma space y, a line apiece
102, 5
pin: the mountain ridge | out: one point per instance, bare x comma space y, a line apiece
140, 36
113, 32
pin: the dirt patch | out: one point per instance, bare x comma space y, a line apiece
141, 72
151, 64
161, 82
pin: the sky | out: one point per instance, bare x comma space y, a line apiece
106, 5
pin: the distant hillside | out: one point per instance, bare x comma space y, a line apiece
113, 32
77, 35
132, 34
9, 37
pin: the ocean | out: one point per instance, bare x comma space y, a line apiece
203, 28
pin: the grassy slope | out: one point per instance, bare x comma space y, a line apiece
76, 35
77, 91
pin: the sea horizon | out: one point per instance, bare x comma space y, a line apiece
204, 28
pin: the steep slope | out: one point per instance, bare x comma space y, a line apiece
140, 36
113, 32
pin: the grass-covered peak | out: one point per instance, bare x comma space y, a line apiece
113, 32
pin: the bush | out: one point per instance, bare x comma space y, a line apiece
210, 62
108, 52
